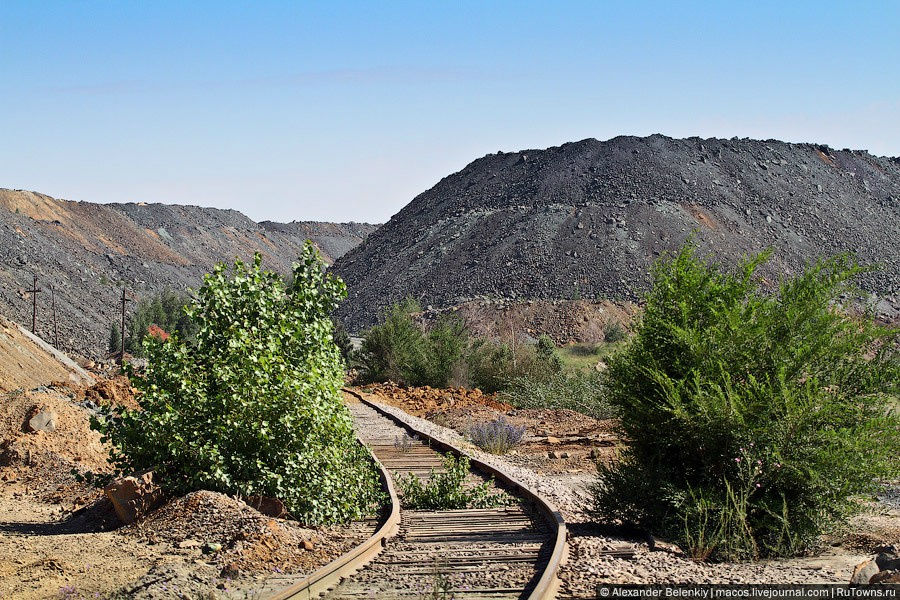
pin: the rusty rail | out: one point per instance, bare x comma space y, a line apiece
548, 584
328, 576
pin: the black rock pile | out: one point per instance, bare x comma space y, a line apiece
587, 220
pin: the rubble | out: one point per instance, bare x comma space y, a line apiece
133, 497
586, 220
88, 251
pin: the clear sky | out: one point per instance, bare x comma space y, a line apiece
345, 111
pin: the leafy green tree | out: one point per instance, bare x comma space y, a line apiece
754, 417
253, 404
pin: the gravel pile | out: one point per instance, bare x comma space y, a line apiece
233, 548
586, 220
590, 562
241, 539
426, 400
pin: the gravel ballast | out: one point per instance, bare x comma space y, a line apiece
589, 563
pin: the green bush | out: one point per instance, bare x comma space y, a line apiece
753, 417
546, 356
447, 490
115, 339
399, 349
489, 365
493, 366
445, 343
581, 391
394, 349
253, 404
614, 332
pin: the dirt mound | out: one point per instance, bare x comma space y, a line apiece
424, 401
27, 362
248, 542
565, 321
41, 461
116, 391
89, 251
71, 439
586, 220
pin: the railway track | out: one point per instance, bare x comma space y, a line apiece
510, 552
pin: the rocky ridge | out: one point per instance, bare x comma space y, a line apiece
88, 251
587, 219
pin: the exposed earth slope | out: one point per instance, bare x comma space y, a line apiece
587, 219
88, 251
27, 361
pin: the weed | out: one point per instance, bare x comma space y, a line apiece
441, 585
446, 490
404, 443
497, 436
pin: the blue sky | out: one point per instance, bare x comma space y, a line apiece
346, 111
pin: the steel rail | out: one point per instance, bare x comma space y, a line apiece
548, 583
331, 574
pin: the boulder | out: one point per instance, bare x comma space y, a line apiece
883, 568
271, 507
133, 497
864, 572
43, 420
888, 561
886, 577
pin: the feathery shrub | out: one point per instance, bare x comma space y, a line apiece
753, 416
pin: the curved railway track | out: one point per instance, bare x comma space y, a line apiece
512, 552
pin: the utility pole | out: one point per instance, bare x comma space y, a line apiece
34, 291
55, 328
122, 353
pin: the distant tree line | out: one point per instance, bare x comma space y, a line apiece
161, 314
